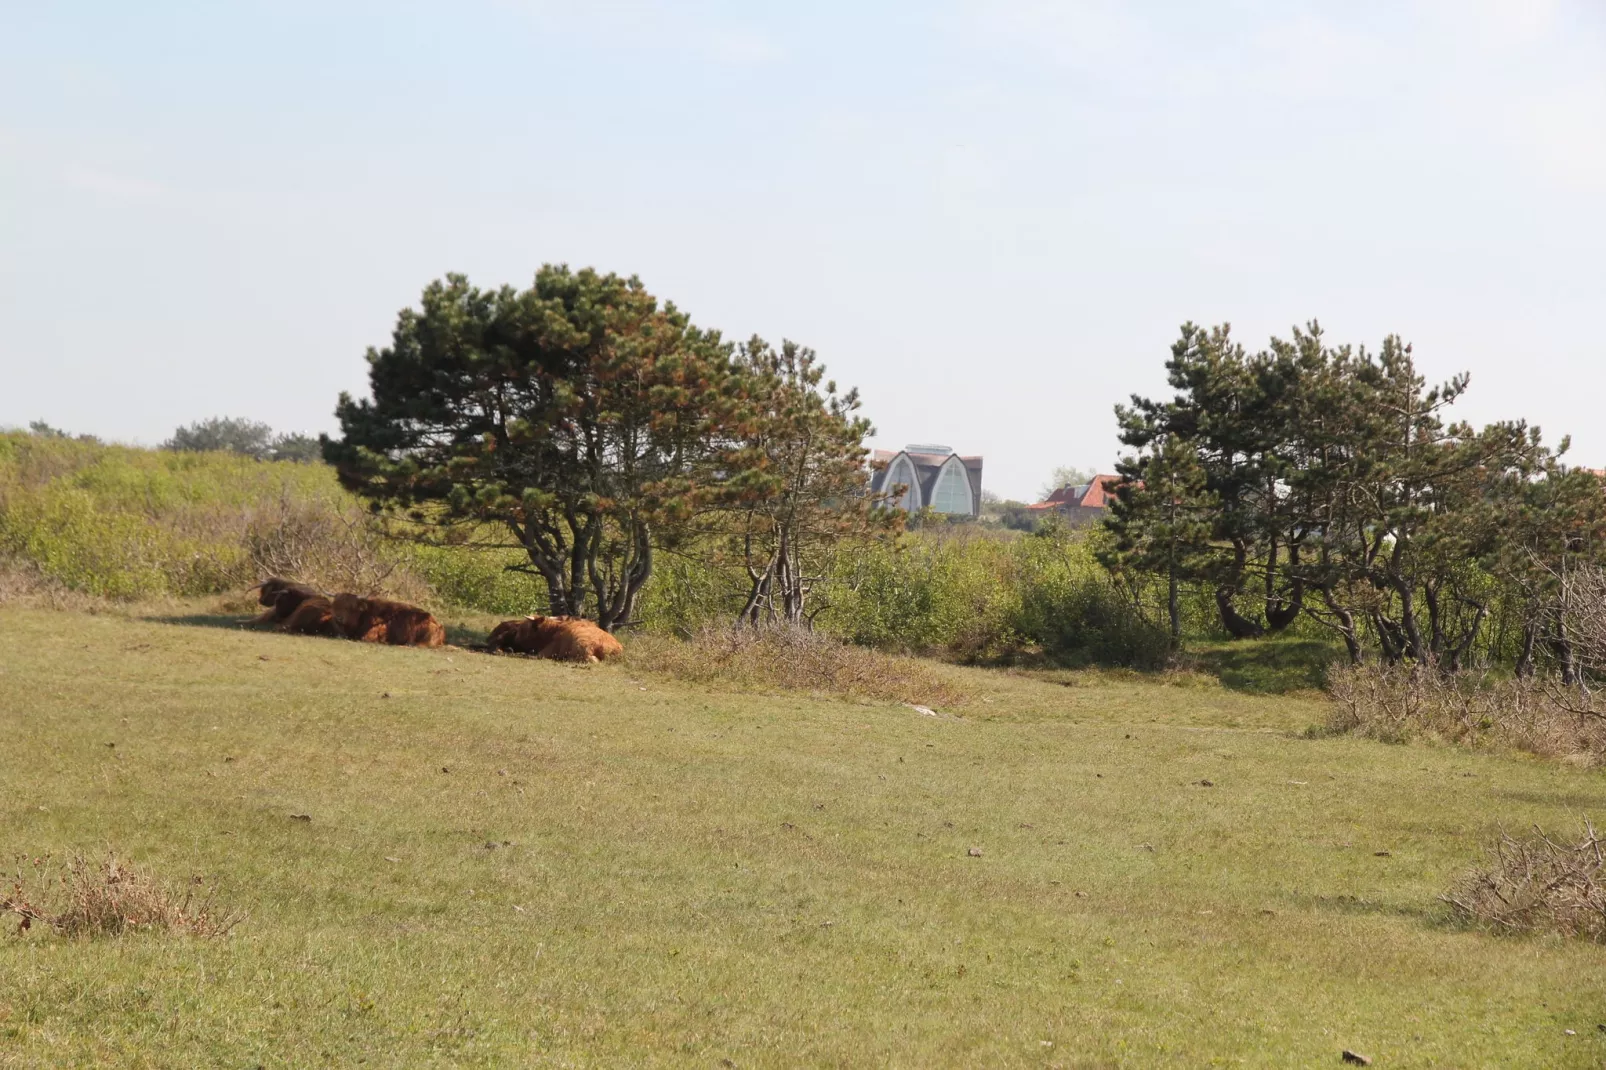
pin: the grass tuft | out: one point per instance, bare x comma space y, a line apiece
795, 659
1397, 704
110, 897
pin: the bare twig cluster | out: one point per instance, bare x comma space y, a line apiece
1583, 612
1538, 885
335, 548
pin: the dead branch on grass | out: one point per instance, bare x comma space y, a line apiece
1538, 885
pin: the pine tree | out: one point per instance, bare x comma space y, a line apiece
1161, 518
800, 492
580, 417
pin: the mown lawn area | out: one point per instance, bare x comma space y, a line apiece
512, 862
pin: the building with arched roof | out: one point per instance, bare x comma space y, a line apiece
933, 477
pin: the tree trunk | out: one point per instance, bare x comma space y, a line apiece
1409, 628
1282, 614
1525, 655
1345, 626
1562, 644
1174, 607
1458, 653
1238, 626
1390, 637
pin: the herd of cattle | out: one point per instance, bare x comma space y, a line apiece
305, 610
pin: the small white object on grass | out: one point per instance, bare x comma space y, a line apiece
925, 710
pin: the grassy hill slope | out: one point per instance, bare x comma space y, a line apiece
516, 862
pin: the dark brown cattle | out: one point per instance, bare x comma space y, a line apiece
376, 620
314, 616
282, 597
558, 638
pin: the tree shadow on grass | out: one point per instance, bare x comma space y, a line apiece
1432, 913
1584, 802
204, 620
458, 635
1267, 666
465, 636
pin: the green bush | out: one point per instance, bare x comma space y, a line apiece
479, 579
980, 595
120, 522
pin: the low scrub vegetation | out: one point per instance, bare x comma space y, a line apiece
958, 592
88, 898
82, 520
123, 523
1397, 704
782, 658
1536, 885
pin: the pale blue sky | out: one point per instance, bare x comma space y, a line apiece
989, 216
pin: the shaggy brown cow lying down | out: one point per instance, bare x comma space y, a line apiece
376, 620
559, 638
314, 616
282, 597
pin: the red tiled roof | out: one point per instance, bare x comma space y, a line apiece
1096, 495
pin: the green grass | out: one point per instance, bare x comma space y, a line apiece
682, 877
1274, 666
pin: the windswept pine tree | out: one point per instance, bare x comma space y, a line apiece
580, 417
1333, 483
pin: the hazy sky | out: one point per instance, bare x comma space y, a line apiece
990, 216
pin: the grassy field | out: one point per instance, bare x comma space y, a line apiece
512, 862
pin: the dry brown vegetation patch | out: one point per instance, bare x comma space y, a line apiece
1537, 885
109, 897
795, 659
1398, 703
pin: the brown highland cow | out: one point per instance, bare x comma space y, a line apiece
282, 597
314, 616
376, 620
558, 638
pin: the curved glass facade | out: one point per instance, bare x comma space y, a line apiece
903, 471
952, 492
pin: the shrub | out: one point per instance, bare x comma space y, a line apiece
795, 659
330, 543
1538, 885
980, 595
108, 898
1400, 703
478, 578
123, 523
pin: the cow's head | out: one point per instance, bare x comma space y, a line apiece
349, 610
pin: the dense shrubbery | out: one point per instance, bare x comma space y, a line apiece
959, 591
127, 523
124, 523
984, 596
